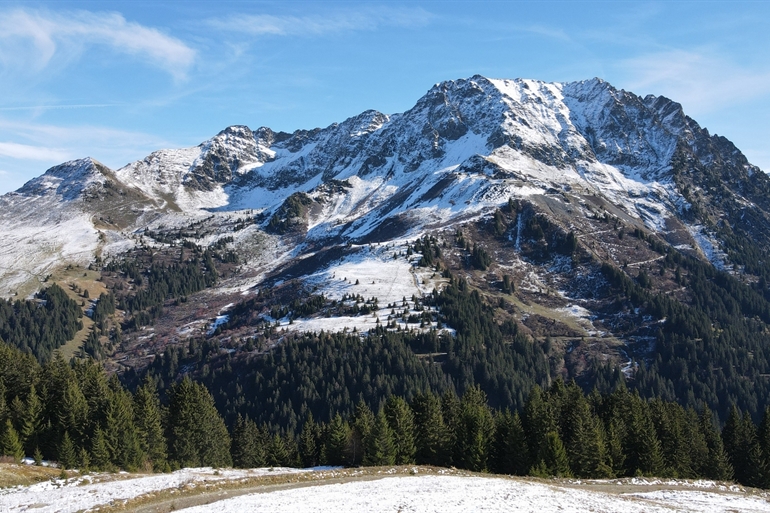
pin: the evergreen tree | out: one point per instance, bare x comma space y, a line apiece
197, 434
764, 444
277, 453
538, 420
338, 442
450, 410
682, 444
67, 452
308, 443
248, 444
401, 422
642, 444
30, 425
475, 431
101, 452
510, 445
431, 432
380, 447
4, 412
10, 443
591, 458
149, 424
743, 447
554, 457
363, 422
122, 434
717, 465
73, 412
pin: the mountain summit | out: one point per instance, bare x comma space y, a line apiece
580, 214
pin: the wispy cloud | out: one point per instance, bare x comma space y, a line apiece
62, 107
548, 32
27, 152
318, 25
52, 33
701, 81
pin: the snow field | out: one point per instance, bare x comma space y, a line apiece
449, 494
378, 275
86, 492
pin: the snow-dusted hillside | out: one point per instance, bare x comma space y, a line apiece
459, 153
582, 159
377, 490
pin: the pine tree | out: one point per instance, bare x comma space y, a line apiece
73, 412
308, 443
381, 449
764, 444
84, 460
643, 446
363, 422
10, 443
744, 450
121, 433
248, 444
100, 451
592, 457
338, 441
718, 463
3, 406
149, 425
30, 425
66, 452
277, 452
475, 431
510, 446
198, 435
431, 432
554, 456
538, 421
450, 411
401, 422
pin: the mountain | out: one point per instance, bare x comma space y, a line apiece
569, 230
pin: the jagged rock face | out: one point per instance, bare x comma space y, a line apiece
464, 148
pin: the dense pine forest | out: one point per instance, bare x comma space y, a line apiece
40, 326
75, 414
488, 396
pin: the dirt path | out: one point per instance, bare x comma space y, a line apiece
209, 492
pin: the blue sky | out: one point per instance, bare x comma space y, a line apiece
117, 80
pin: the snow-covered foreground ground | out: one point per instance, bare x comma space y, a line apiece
446, 494
89, 491
373, 490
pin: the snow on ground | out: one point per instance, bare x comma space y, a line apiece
378, 275
372, 272
388, 491
82, 493
583, 318
709, 247
447, 494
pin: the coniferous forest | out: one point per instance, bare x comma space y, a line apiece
483, 398
75, 414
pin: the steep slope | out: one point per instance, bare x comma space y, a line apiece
598, 235
67, 216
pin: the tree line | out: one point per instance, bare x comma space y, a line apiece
75, 414
42, 325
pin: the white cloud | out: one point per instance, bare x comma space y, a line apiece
701, 82
316, 25
27, 152
61, 34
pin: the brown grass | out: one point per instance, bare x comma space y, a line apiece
12, 474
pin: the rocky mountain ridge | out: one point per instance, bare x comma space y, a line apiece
553, 201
